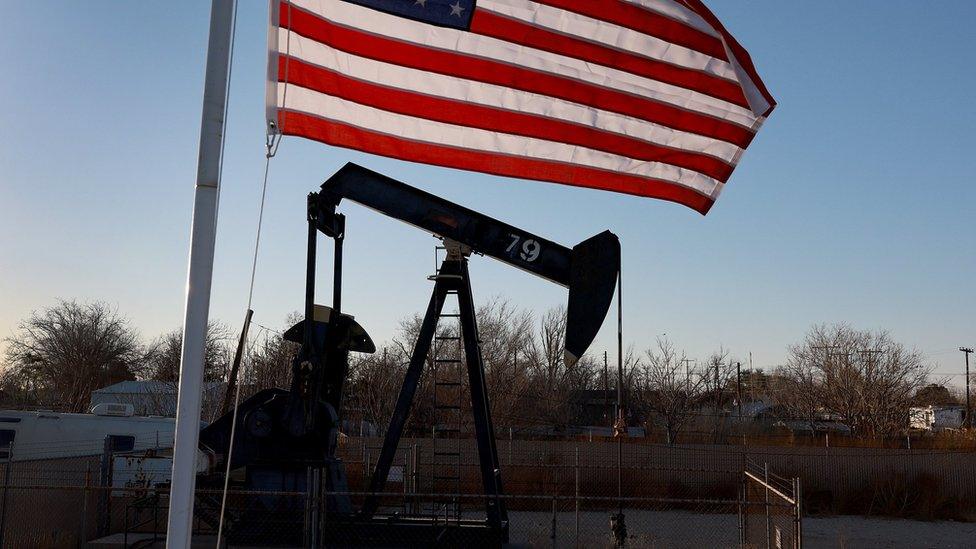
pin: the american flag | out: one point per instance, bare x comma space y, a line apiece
647, 97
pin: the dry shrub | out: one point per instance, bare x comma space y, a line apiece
919, 497
953, 440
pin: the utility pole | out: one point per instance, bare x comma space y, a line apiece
825, 365
827, 350
718, 390
687, 375
969, 416
871, 353
738, 386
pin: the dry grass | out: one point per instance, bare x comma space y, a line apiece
918, 498
945, 440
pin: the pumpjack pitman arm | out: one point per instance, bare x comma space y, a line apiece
589, 270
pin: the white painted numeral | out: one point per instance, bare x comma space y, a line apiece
511, 246
530, 250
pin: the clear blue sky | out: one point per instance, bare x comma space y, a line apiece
855, 203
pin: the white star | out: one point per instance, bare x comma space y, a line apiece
456, 8
421, 3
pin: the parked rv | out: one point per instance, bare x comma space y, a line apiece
936, 418
35, 435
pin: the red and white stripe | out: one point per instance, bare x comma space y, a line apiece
647, 97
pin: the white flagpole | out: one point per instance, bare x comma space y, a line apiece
203, 234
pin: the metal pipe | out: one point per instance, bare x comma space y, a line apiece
766, 502
84, 509
969, 415
606, 391
308, 346
620, 382
741, 505
798, 509
337, 267
552, 533
203, 234
234, 369
577, 497
6, 488
738, 387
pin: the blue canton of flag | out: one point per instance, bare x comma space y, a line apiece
446, 13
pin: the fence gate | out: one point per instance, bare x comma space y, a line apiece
770, 514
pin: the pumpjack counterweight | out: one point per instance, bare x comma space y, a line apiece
287, 440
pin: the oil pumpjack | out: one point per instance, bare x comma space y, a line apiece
286, 440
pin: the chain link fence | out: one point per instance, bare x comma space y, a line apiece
670, 496
555, 496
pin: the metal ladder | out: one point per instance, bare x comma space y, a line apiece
448, 370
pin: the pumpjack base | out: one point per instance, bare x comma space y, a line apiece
380, 531
412, 532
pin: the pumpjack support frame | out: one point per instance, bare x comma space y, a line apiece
453, 276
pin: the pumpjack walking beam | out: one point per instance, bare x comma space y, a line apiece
589, 269
452, 277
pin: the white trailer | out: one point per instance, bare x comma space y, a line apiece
36, 435
936, 418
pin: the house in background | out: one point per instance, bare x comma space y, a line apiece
154, 398
936, 417
594, 407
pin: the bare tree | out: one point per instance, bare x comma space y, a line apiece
863, 378
373, 384
668, 390
755, 384
64, 352
556, 384
935, 394
165, 352
268, 358
162, 371
718, 376
506, 347
506, 336
719, 371
526, 377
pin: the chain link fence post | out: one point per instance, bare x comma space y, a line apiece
798, 513
577, 542
6, 488
766, 503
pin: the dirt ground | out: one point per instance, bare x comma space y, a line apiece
871, 533
687, 530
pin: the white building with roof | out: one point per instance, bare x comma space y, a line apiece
153, 398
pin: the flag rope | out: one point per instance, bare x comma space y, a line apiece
272, 148
272, 142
